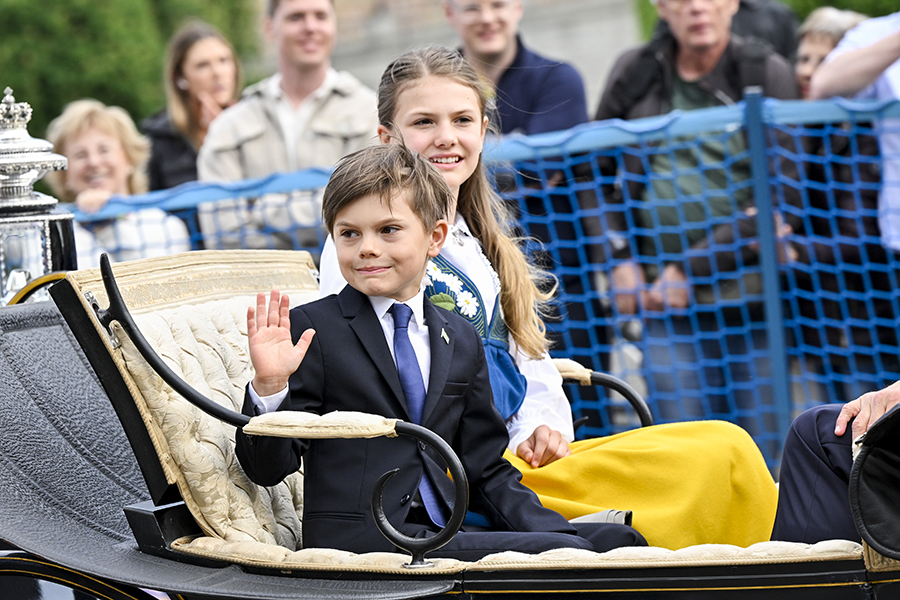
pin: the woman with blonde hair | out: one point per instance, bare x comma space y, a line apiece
686, 483
202, 77
107, 157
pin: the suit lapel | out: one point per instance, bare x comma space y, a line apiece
364, 323
441, 339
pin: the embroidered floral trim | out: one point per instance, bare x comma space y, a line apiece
447, 287
447, 290
467, 304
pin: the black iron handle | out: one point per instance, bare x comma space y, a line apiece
417, 547
119, 312
631, 395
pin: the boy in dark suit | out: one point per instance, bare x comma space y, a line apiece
382, 349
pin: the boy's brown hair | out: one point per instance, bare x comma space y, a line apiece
385, 170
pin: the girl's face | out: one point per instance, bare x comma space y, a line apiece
209, 68
810, 53
97, 160
440, 119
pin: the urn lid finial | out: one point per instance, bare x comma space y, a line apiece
23, 159
12, 113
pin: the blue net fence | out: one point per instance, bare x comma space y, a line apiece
732, 263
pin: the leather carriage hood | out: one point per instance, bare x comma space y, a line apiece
875, 485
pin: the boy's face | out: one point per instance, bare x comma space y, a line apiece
383, 251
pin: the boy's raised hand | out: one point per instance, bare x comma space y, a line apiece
274, 355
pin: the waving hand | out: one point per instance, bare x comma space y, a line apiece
274, 355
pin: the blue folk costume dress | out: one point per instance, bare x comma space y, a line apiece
702, 482
450, 288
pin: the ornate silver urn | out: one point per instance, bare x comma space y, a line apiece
36, 237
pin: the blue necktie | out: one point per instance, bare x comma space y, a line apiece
414, 391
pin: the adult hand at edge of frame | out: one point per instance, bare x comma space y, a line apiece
867, 409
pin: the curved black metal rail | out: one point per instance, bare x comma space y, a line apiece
417, 547
636, 401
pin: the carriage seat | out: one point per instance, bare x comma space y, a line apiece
192, 309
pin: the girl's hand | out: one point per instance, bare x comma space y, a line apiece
543, 447
274, 355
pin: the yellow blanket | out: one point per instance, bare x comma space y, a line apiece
702, 482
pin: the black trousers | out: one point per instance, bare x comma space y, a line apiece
475, 545
813, 497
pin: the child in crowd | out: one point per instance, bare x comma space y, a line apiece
383, 349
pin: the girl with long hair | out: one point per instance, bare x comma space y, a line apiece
202, 77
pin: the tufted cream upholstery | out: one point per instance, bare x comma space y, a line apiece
192, 309
206, 344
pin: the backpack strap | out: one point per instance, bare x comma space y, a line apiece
751, 58
633, 85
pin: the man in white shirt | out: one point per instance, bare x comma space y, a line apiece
306, 115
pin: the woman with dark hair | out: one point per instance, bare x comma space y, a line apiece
202, 77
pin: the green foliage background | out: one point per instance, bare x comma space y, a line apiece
646, 12
873, 8
55, 51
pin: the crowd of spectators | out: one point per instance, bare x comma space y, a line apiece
689, 67
705, 53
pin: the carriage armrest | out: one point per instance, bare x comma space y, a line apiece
571, 370
343, 424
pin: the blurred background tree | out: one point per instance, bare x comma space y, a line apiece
874, 8
57, 51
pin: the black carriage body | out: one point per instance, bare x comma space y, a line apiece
68, 471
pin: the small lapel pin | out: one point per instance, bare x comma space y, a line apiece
444, 336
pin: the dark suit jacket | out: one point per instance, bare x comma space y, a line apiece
349, 367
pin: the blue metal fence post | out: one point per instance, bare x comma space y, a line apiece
759, 165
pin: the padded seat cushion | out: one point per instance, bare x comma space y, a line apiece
192, 308
561, 559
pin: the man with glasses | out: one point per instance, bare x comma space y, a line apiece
534, 94
697, 198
